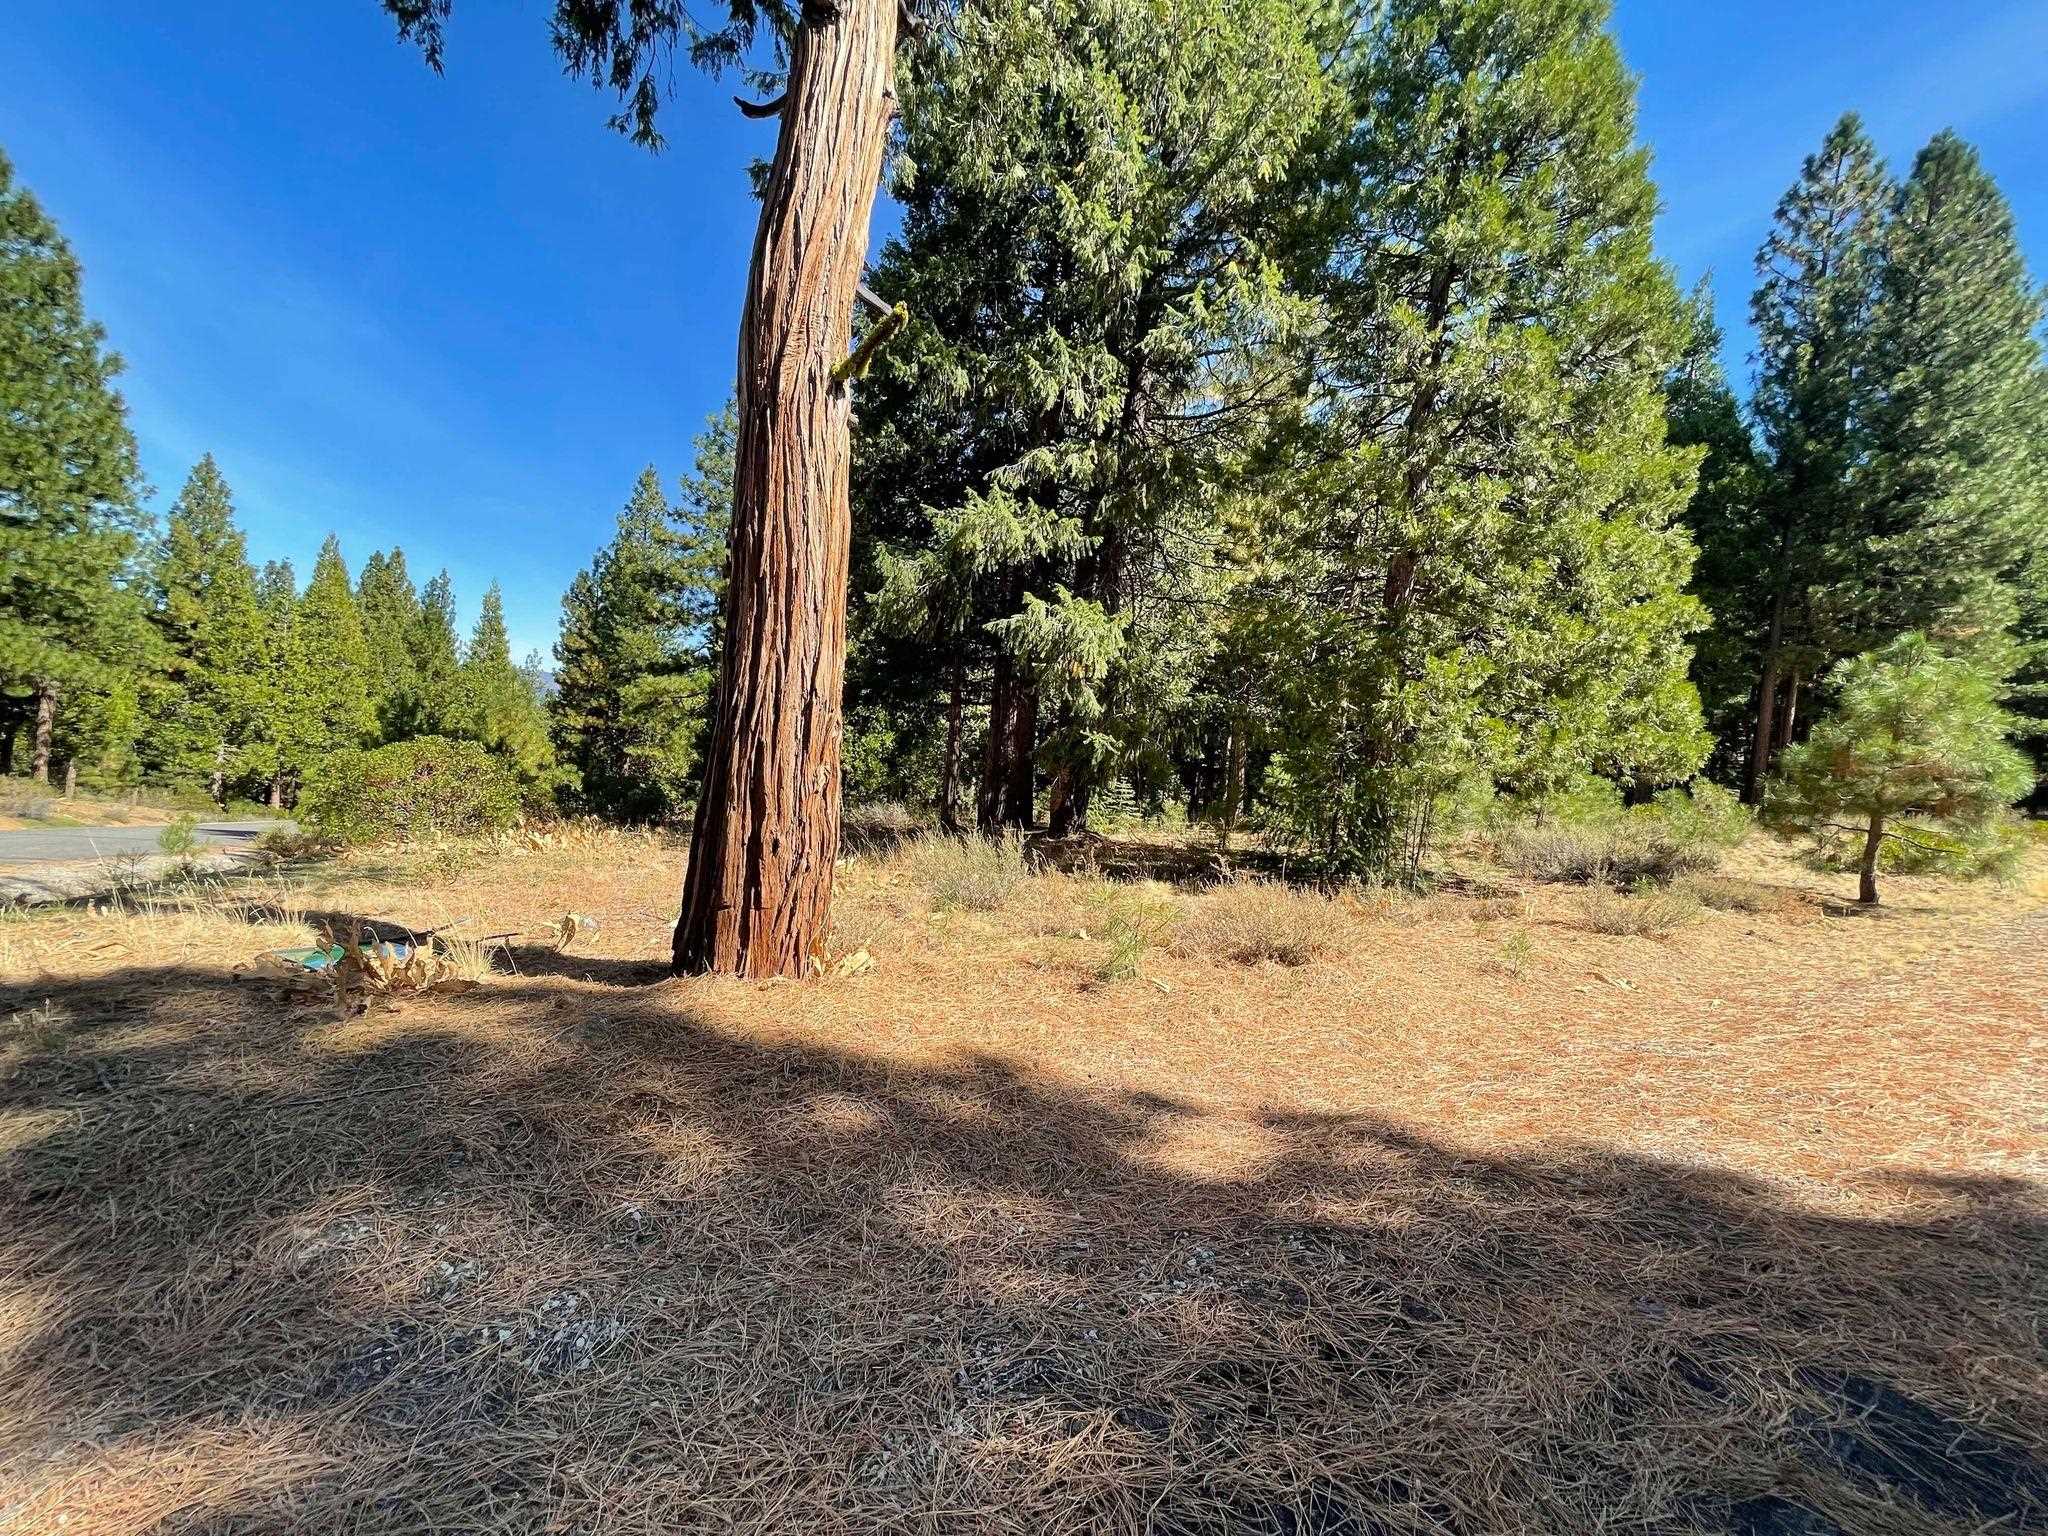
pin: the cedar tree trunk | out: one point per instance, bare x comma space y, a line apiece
46, 725
759, 885
1006, 768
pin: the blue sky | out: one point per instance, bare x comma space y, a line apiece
458, 315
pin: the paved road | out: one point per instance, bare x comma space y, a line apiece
42, 844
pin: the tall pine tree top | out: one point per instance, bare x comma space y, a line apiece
330, 663
68, 475
1952, 495
390, 608
213, 630
1817, 274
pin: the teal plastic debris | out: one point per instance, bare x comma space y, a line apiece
322, 959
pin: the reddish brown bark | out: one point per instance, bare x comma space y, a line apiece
1007, 780
46, 726
759, 885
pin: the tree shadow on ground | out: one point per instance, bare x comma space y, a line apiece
555, 1255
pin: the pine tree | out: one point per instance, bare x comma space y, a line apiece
1818, 271
502, 711
432, 702
68, 485
1726, 520
328, 663
1484, 578
634, 660
1913, 734
204, 711
280, 721
1951, 498
390, 609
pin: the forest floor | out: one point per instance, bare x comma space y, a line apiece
1055, 1218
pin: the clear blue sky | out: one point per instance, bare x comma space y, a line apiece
459, 315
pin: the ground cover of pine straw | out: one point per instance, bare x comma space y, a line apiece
1480, 1222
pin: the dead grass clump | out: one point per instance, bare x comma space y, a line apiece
968, 874
1721, 893
1250, 921
1620, 853
1649, 914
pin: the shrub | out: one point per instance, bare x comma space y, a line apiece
1652, 913
1705, 815
292, 842
973, 874
409, 791
1678, 833
180, 834
1250, 921
1638, 848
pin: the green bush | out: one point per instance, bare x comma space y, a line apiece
1706, 814
409, 791
180, 834
1678, 833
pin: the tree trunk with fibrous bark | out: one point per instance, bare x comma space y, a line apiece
759, 884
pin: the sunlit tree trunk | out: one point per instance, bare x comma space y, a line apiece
759, 886
46, 726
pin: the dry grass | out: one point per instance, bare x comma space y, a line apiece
1620, 853
1685, 1236
1640, 914
1723, 894
970, 874
1251, 922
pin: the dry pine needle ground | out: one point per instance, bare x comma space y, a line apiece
1462, 1217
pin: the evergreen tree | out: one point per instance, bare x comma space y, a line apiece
390, 609
1484, 578
1090, 214
205, 708
432, 702
68, 486
633, 678
1726, 520
1913, 734
1952, 497
1818, 271
280, 720
328, 664
503, 712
